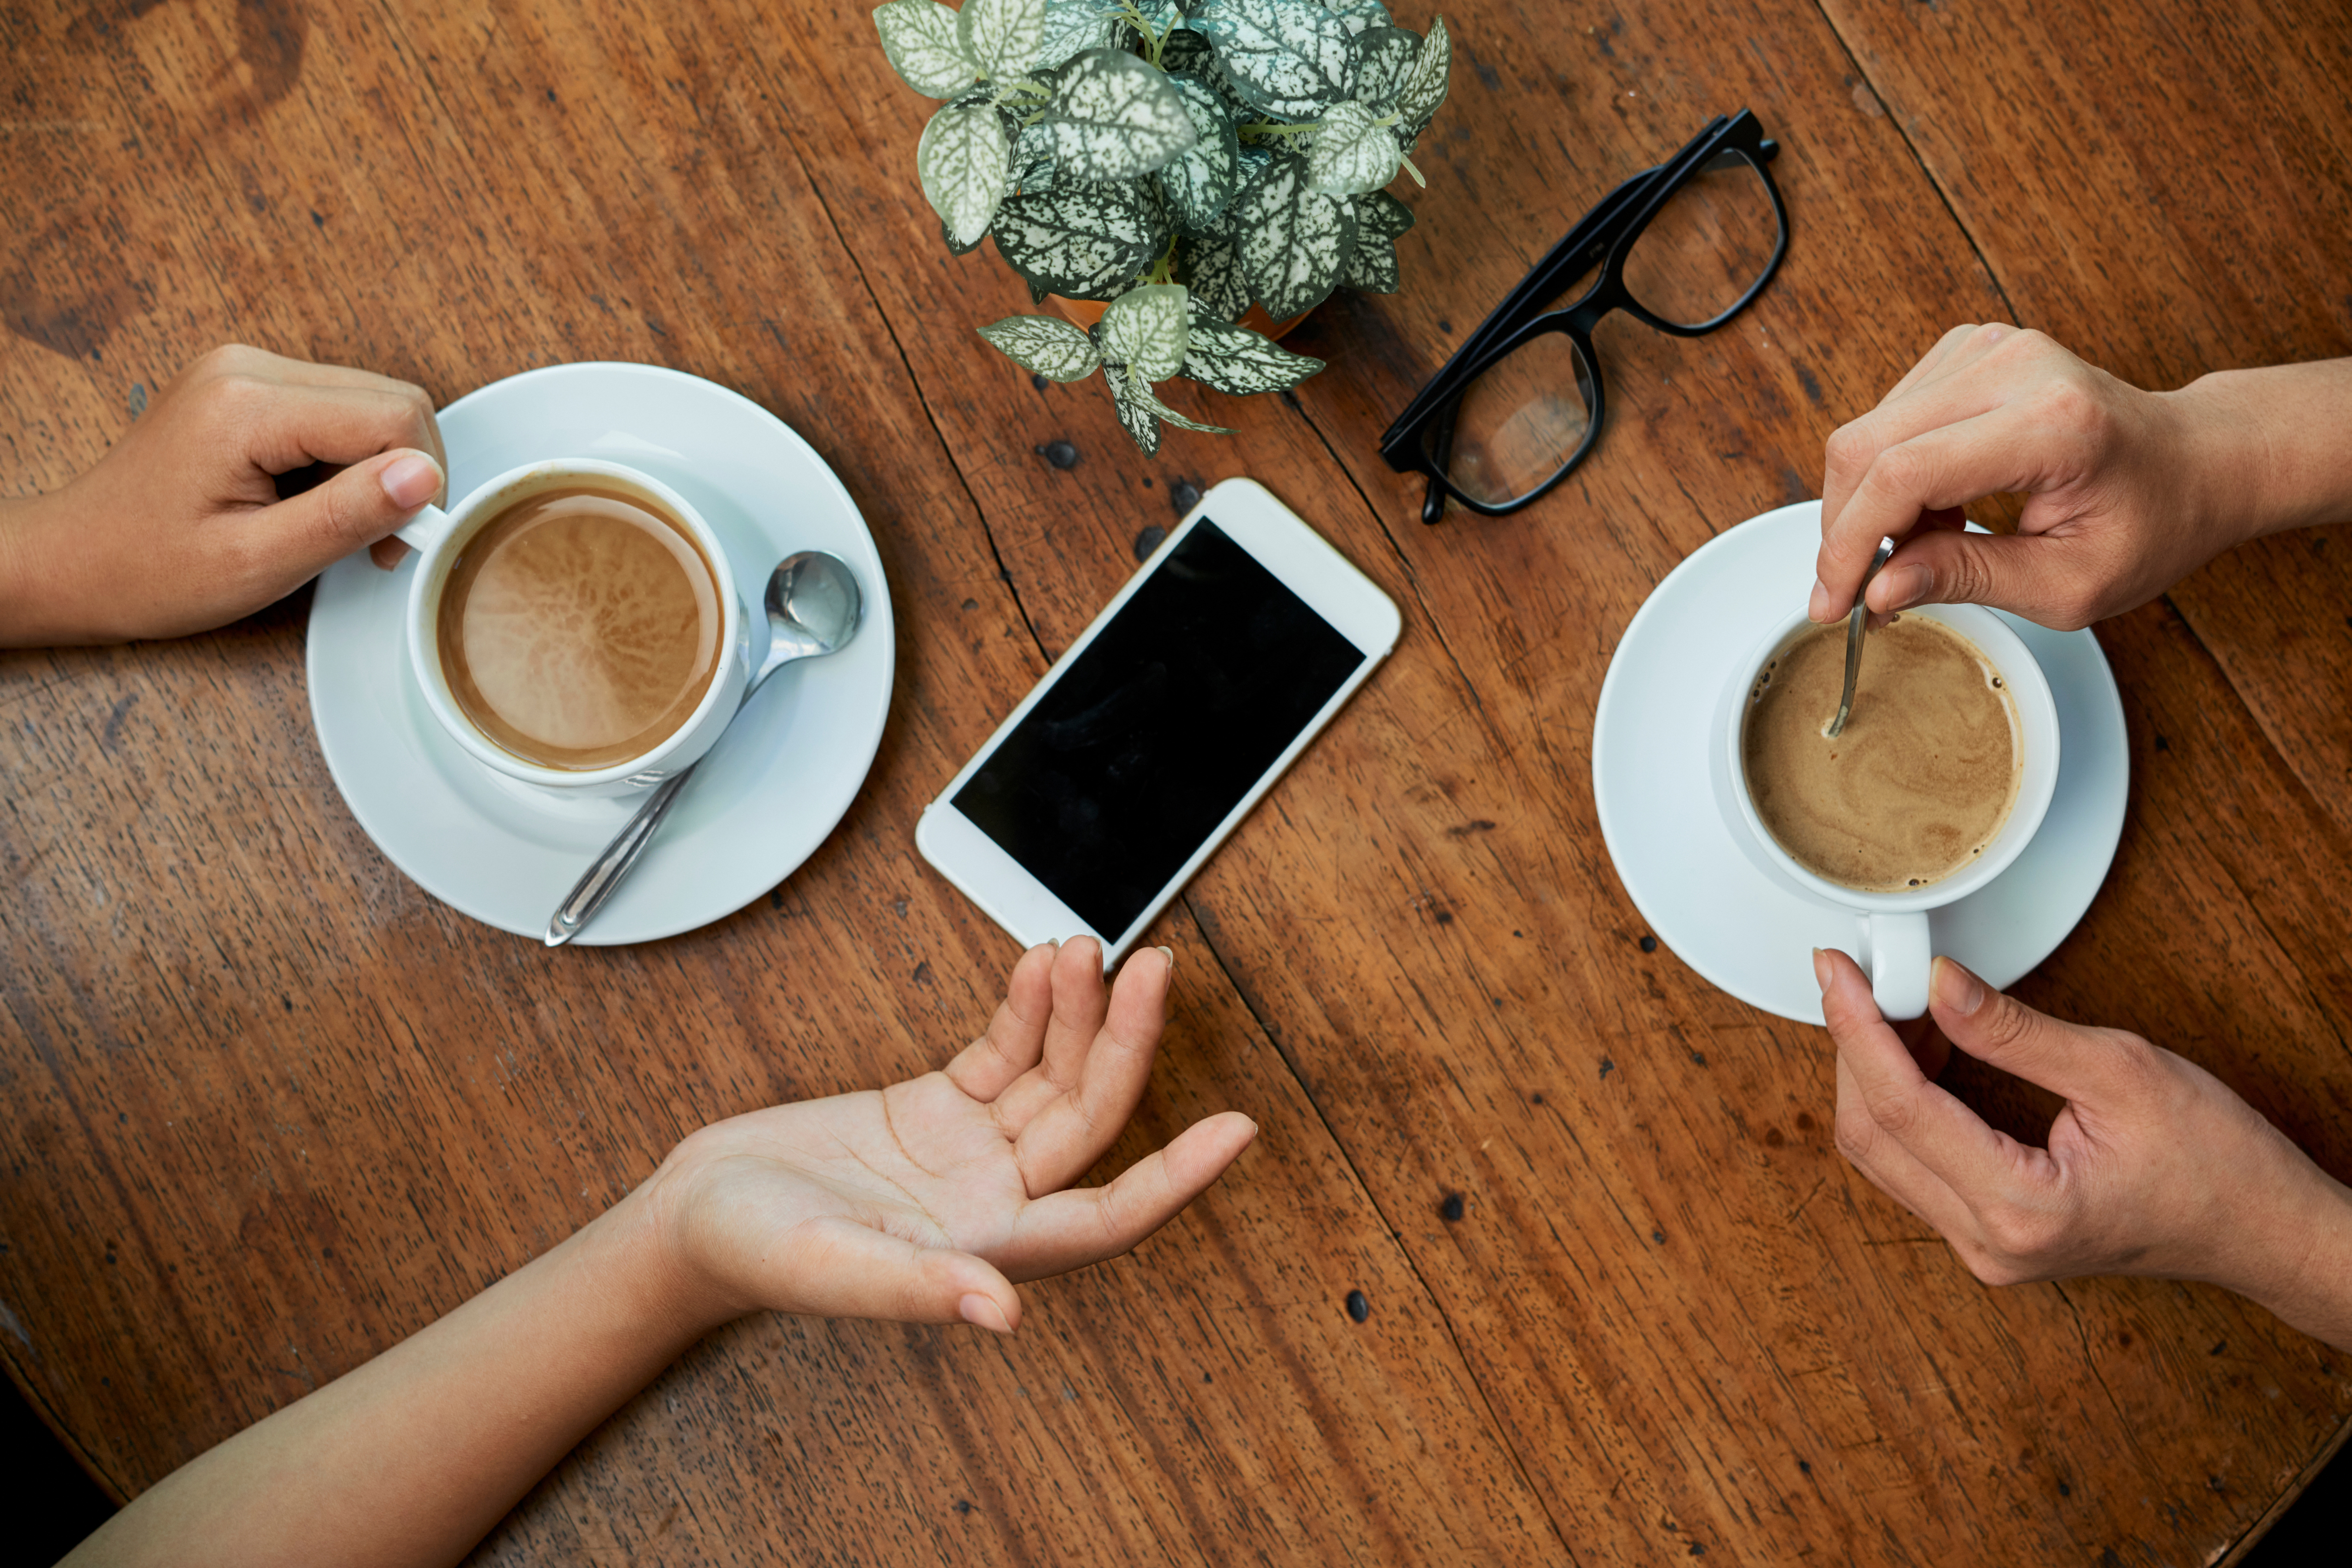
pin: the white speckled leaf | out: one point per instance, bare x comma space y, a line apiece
963, 160
1146, 329
1358, 15
1200, 181
1071, 28
1373, 265
1190, 53
1424, 89
1078, 239
1293, 240
1287, 57
1001, 36
1115, 118
1212, 270
1151, 401
1236, 360
1032, 160
919, 38
1383, 215
1352, 154
1133, 400
1045, 344
1187, 51
1384, 64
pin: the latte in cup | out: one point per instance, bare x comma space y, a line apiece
1924, 775
581, 627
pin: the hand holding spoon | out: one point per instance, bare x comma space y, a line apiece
813, 608
1854, 625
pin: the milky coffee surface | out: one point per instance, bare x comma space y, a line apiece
580, 628
1924, 775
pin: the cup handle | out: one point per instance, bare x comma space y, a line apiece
1897, 954
423, 531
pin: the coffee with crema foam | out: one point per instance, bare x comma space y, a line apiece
1921, 779
580, 628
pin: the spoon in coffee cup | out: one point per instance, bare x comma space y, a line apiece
1854, 625
813, 609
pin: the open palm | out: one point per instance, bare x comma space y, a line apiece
922, 1201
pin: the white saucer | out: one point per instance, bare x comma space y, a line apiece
506, 852
1704, 898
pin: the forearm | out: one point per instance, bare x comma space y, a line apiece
2273, 447
23, 617
412, 1458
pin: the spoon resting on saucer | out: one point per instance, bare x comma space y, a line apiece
813, 608
1854, 625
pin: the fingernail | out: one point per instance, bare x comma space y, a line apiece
1957, 991
1905, 587
1170, 954
1821, 969
1819, 606
982, 1313
410, 481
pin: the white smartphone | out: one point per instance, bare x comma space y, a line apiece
1151, 738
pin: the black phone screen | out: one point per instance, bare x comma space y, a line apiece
1155, 733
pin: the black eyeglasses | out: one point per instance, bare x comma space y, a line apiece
1682, 247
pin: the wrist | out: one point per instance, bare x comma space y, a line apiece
669, 1219
637, 1248
2224, 467
49, 591
2269, 449
2303, 1269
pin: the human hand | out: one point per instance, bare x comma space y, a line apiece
179, 527
922, 1201
2127, 491
2153, 1167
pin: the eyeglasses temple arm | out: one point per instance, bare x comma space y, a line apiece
1439, 448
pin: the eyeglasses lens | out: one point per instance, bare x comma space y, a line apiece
1708, 247
1521, 422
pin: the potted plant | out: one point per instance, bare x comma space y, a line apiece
1179, 162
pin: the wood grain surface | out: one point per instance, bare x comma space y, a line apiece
273, 1107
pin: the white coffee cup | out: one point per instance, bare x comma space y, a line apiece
1893, 947
439, 537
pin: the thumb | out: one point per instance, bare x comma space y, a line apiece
1999, 1031
356, 507
2044, 577
841, 1268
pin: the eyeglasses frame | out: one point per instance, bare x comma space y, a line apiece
1605, 236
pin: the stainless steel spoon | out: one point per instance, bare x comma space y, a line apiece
813, 608
1854, 625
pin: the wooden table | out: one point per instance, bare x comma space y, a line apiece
270, 1106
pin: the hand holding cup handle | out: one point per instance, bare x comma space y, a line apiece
2154, 1167
422, 532
1896, 956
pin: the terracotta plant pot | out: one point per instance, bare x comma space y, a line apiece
1085, 313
